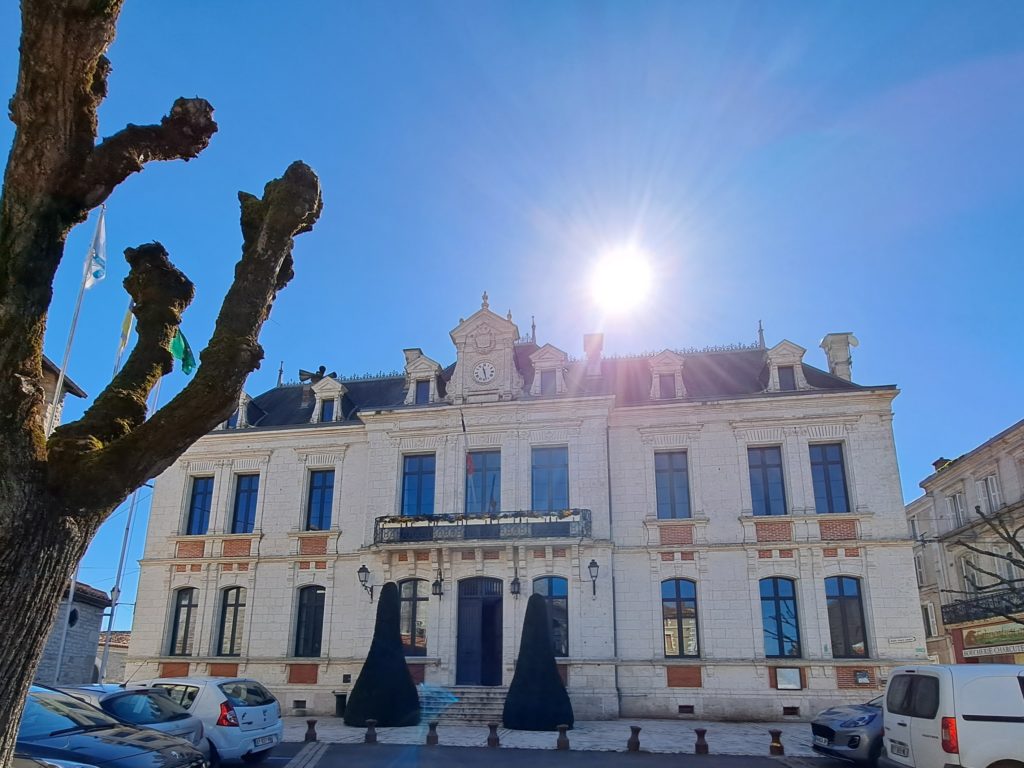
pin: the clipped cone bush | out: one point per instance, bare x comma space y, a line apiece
384, 690
537, 699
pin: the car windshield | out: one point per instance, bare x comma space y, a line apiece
875, 702
48, 713
143, 708
246, 693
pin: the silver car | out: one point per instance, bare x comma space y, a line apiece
144, 708
851, 732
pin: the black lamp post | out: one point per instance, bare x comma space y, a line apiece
364, 580
593, 568
515, 587
437, 588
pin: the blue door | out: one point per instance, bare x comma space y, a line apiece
479, 638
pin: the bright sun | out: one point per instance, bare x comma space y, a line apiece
621, 279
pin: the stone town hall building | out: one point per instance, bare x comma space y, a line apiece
717, 532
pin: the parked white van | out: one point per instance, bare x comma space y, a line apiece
944, 715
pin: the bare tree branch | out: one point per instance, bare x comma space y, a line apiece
98, 474
180, 135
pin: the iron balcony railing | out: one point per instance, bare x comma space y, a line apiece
498, 526
985, 606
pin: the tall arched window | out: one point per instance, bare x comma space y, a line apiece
413, 597
555, 591
232, 621
846, 618
183, 626
309, 625
679, 617
780, 619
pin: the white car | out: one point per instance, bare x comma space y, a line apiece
945, 715
241, 718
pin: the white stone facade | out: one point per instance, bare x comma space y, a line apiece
965, 609
617, 663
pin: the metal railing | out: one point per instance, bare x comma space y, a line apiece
984, 606
499, 526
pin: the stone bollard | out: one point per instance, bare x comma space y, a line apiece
492, 736
776, 748
432, 733
310, 730
633, 744
701, 747
371, 732
562, 743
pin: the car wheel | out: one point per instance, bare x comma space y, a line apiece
214, 757
256, 757
875, 753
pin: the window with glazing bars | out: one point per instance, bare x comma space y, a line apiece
672, 484
779, 618
183, 625
418, 484
549, 478
846, 618
679, 618
247, 489
321, 496
200, 502
483, 482
309, 625
232, 621
767, 490
555, 591
829, 478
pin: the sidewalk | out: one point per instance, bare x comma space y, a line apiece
664, 736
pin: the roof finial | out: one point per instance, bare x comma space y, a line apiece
483, 301
509, 316
533, 329
760, 335
280, 374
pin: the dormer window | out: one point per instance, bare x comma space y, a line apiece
549, 364
421, 375
422, 391
666, 386
548, 384
785, 363
787, 378
327, 410
667, 376
328, 393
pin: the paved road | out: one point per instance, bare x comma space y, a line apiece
401, 756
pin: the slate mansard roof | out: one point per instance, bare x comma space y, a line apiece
711, 375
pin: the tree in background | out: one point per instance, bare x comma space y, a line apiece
56, 491
537, 699
1001, 539
384, 690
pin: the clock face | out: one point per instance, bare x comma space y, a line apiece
484, 372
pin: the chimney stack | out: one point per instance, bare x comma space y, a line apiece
593, 344
940, 462
837, 350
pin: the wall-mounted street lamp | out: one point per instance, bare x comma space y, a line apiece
437, 588
364, 580
593, 568
514, 587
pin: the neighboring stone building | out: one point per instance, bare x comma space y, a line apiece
50, 375
83, 618
116, 657
964, 609
720, 533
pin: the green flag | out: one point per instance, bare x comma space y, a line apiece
183, 352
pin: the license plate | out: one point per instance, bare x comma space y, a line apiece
899, 750
262, 740
821, 741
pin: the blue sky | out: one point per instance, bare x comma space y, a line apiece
818, 166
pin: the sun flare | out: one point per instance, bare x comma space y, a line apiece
621, 280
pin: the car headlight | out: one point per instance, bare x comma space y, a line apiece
857, 722
49, 761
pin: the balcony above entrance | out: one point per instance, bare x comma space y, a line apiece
498, 526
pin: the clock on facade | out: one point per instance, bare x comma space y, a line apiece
484, 372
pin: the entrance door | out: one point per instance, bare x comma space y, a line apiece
479, 641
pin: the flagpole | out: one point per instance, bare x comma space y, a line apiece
115, 592
58, 400
125, 333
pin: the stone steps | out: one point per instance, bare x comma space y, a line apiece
474, 705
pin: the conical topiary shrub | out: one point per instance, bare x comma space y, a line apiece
537, 699
384, 691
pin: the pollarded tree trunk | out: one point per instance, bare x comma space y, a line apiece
55, 492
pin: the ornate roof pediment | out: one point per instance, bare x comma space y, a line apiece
418, 365
483, 330
548, 356
666, 361
328, 388
786, 353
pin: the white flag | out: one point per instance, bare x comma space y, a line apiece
96, 260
